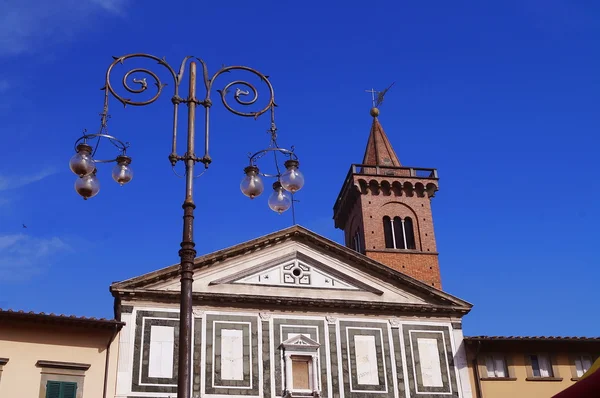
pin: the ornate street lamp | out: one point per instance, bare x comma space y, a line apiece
84, 163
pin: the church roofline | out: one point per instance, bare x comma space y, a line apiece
295, 232
278, 302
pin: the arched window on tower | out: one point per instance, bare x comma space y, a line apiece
356, 242
409, 232
388, 233
399, 233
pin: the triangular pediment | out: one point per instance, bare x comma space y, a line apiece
300, 341
297, 270
295, 267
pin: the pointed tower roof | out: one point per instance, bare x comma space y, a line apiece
379, 151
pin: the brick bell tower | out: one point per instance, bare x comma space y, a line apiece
384, 209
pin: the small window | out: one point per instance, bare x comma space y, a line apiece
356, 242
496, 366
582, 364
61, 389
541, 366
300, 374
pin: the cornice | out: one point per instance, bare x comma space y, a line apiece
294, 303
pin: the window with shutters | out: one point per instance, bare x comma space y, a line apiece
582, 364
496, 366
541, 367
61, 389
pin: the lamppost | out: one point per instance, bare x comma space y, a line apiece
84, 163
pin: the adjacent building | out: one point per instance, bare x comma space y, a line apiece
528, 366
57, 356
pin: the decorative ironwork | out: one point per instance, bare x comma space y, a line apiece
120, 145
141, 80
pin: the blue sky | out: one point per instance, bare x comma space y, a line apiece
501, 97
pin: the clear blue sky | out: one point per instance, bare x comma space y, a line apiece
501, 97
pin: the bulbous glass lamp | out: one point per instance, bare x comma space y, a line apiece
122, 172
292, 180
252, 185
87, 186
82, 162
280, 200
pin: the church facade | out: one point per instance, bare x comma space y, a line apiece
293, 314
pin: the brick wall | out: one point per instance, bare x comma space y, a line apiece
421, 266
367, 215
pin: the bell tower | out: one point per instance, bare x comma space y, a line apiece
384, 209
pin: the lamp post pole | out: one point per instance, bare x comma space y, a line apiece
187, 253
84, 163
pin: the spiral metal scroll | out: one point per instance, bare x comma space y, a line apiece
242, 88
143, 84
240, 92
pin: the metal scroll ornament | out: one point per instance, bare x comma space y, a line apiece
142, 86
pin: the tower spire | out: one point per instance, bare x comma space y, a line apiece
379, 151
384, 208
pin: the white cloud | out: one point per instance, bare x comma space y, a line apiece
114, 6
14, 182
23, 256
27, 26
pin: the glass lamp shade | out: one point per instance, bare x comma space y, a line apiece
292, 180
122, 172
87, 186
252, 185
280, 200
82, 163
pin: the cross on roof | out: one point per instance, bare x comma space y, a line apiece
379, 99
372, 91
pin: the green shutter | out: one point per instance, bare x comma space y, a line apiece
53, 389
58, 389
69, 390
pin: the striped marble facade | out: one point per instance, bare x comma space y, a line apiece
240, 353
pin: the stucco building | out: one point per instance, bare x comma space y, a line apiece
54, 356
502, 366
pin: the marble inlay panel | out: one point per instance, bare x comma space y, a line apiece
145, 379
232, 354
162, 343
366, 359
428, 376
231, 357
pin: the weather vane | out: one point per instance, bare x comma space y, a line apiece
377, 96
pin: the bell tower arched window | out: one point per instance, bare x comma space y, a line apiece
399, 233
356, 242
